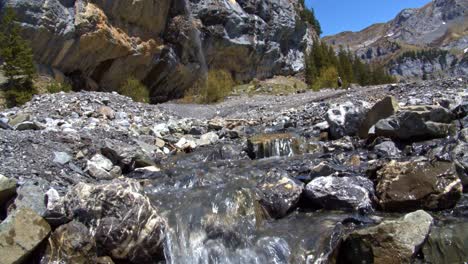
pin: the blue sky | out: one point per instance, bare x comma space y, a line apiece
336, 16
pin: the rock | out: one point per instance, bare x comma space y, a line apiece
20, 234
128, 157
381, 110
106, 112
345, 119
390, 242
7, 189
346, 193
160, 130
19, 118
412, 185
387, 149
408, 125
208, 139
186, 144
62, 158
71, 243
4, 125
28, 126
55, 213
160, 143
31, 195
104, 260
280, 194
100, 167
125, 224
460, 158
447, 244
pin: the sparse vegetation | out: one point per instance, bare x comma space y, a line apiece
18, 65
57, 87
214, 88
424, 55
323, 66
308, 15
136, 90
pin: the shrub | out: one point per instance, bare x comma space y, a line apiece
218, 85
134, 89
328, 78
57, 87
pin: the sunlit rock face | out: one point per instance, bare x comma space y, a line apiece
166, 44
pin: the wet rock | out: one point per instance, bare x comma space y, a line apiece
125, 224
345, 119
447, 244
460, 158
280, 194
20, 234
346, 193
7, 189
387, 149
382, 109
391, 242
271, 145
71, 243
412, 185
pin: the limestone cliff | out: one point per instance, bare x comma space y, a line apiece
167, 44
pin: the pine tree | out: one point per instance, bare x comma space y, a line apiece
15, 52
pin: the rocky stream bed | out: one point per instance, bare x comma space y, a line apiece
369, 175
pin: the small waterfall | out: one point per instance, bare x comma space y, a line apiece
273, 145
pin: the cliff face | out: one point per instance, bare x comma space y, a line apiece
167, 44
441, 24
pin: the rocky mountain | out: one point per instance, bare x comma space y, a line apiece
440, 25
166, 44
371, 175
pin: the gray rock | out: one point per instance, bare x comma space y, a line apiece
208, 139
62, 158
20, 234
28, 126
4, 125
100, 167
392, 241
387, 149
345, 119
19, 118
408, 125
125, 224
7, 189
347, 193
382, 109
31, 196
412, 185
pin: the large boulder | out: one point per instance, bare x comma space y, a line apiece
390, 242
382, 109
124, 223
460, 158
71, 243
412, 185
346, 118
20, 234
447, 244
416, 123
347, 193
